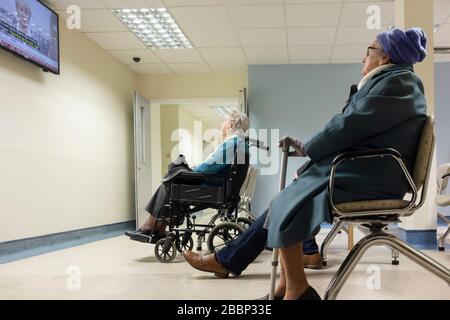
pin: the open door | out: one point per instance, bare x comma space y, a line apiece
243, 101
142, 157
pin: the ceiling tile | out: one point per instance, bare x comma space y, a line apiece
83, 4
100, 20
268, 62
151, 69
349, 61
353, 53
308, 62
126, 56
441, 11
117, 40
228, 66
213, 38
443, 34
190, 67
355, 14
313, 15
310, 53
259, 2
185, 3
311, 36
315, 1
266, 54
262, 37
356, 35
257, 16
178, 55
133, 3
212, 17
442, 58
222, 54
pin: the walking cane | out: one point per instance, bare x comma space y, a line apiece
273, 275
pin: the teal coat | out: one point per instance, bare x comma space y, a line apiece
389, 111
222, 157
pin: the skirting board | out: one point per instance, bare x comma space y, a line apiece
25, 248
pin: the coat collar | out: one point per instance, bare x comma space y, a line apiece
383, 69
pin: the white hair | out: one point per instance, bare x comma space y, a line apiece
239, 122
24, 3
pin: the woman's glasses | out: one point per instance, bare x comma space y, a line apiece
371, 48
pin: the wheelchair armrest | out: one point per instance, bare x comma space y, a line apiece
197, 175
376, 153
197, 178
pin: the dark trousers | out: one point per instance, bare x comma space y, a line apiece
242, 251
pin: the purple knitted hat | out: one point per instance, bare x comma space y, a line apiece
404, 47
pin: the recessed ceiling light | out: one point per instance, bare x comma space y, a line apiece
155, 27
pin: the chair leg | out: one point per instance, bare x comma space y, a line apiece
443, 218
350, 237
381, 238
442, 239
395, 255
328, 239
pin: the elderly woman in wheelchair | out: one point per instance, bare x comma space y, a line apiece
215, 183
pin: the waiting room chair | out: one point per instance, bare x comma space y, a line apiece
443, 200
376, 215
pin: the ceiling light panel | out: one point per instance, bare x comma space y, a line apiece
155, 27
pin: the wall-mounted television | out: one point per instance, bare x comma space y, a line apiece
30, 29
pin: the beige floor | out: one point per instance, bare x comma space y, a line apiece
118, 268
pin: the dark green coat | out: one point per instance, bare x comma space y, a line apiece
389, 111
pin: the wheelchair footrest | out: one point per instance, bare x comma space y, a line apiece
152, 239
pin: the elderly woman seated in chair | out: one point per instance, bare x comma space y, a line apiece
387, 111
233, 130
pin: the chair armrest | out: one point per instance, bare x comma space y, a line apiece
376, 153
366, 154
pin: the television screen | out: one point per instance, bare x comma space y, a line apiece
30, 29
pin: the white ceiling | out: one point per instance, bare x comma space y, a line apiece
204, 113
227, 35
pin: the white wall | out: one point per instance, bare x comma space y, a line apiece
192, 85
65, 142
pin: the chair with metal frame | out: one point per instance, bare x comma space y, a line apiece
375, 215
443, 200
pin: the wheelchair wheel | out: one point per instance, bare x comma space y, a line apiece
188, 246
244, 222
165, 250
223, 234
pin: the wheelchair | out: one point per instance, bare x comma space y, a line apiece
191, 192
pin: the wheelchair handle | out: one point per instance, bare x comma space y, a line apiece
257, 143
445, 176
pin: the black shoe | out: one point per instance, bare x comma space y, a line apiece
310, 294
266, 297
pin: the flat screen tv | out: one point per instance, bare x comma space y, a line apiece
30, 29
